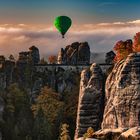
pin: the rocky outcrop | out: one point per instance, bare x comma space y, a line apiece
34, 54
109, 57
2, 80
6, 73
2, 59
90, 108
24, 66
76, 53
1, 108
8, 69
109, 134
132, 133
31, 56
122, 107
118, 134
23, 57
1, 114
121, 119
57, 78
21, 69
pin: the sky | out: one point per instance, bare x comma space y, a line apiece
101, 23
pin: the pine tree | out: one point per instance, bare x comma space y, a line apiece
42, 128
18, 115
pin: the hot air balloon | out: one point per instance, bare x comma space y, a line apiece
62, 23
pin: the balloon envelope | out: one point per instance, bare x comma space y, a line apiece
62, 23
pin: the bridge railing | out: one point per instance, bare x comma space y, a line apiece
101, 64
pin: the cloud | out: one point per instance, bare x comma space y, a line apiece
101, 37
134, 22
118, 23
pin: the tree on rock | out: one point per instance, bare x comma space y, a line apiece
136, 44
52, 59
122, 49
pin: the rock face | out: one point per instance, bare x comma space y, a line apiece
132, 133
76, 53
34, 53
24, 65
1, 114
57, 78
2, 59
30, 56
122, 107
1, 108
21, 68
6, 71
118, 134
2, 81
121, 119
110, 57
90, 108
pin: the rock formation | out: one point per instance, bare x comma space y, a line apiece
1, 114
6, 71
76, 53
31, 56
24, 65
2, 80
121, 119
2, 59
122, 107
34, 54
1, 108
118, 134
57, 78
21, 67
90, 108
11, 71
110, 57
131, 134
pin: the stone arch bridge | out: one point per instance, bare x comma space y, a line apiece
76, 68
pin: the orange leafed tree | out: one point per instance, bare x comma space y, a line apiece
52, 59
122, 49
136, 44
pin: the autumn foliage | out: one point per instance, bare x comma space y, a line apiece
122, 49
52, 59
89, 133
136, 44
64, 132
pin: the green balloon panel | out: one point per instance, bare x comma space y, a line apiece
62, 23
